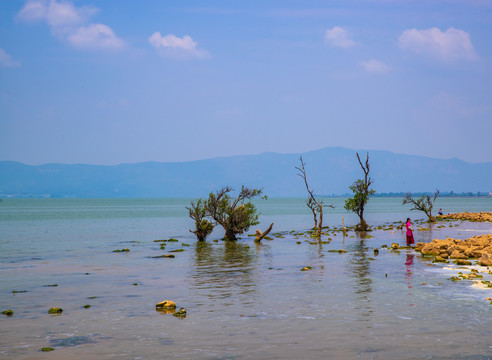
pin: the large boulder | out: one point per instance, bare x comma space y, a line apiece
485, 260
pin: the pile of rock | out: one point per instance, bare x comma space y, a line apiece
478, 247
480, 216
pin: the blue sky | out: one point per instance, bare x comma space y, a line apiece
109, 82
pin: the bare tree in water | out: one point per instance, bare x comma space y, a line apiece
425, 204
316, 206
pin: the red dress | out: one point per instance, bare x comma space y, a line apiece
410, 239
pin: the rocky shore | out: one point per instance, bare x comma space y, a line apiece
477, 248
478, 216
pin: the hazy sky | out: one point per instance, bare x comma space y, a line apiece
109, 82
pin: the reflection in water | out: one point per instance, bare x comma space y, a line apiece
222, 272
408, 274
423, 232
359, 267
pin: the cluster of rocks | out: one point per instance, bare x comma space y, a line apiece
478, 247
169, 307
477, 216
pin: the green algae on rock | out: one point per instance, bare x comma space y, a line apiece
55, 310
181, 313
8, 312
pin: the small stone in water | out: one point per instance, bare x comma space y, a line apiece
55, 311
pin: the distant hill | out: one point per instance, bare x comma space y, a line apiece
330, 171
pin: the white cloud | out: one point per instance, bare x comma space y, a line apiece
176, 47
55, 13
6, 60
375, 66
95, 36
453, 44
338, 37
70, 23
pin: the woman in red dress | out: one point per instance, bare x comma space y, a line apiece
410, 239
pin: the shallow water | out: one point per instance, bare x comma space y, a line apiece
243, 300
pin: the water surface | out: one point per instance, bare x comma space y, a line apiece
243, 300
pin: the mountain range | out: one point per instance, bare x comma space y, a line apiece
330, 171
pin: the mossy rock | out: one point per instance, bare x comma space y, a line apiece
18, 291
306, 268
171, 256
55, 310
177, 250
47, 349
121, 250
8, 312
87, 306
439, 259
395, 246
181, 313
462, 262
173, 240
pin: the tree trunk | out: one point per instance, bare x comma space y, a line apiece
318, 233
230, 235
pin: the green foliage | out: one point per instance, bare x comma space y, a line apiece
362, 191
361, 197
235, 214
198, 212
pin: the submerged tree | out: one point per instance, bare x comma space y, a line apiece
316, 206
425, 203
362, 191
198, 212
235, 215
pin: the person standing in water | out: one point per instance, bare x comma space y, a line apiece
410, 239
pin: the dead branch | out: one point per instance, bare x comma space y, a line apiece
260, 235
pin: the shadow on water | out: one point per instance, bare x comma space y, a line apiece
359, 267
221, 272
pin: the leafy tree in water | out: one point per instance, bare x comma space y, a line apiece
316, 206
235, 214
362, 191
198, 212
425, 203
